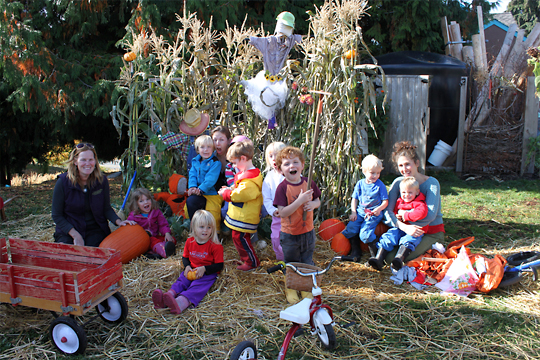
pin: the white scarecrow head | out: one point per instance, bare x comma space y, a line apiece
285, 24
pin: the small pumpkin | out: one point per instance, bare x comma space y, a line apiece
130, 240
191, 275
350, 54
330, 227
130, 56
341, 245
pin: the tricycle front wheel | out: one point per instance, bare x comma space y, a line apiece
68, 336
114, 309
246, 350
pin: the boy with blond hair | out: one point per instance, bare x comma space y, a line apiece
203, 176
369, 199
410, 207
245, 202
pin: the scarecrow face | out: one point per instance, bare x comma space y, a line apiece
292, 169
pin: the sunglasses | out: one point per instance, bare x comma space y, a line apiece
81, 145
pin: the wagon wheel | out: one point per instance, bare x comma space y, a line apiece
114, 309
68, 336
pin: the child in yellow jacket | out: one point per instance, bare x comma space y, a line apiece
245, 202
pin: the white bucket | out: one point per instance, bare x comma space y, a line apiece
441, 151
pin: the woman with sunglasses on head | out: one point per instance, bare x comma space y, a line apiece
81, 201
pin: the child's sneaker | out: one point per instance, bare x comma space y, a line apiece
245, 267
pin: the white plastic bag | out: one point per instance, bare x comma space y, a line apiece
461, 277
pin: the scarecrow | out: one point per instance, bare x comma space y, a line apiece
267, 91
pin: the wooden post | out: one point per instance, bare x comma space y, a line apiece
530, 126
461, 126
445, 35
481, 31
477, 49
455, 36
468, 55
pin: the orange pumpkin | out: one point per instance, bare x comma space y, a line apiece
341, 245
130, 240
130, 56
329, 228
381, 229
191, 275
350, 54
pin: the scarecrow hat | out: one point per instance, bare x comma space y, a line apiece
285, 23
194, 122
286, 18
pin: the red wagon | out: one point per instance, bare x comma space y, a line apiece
65, 279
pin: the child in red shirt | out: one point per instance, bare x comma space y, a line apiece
203, 254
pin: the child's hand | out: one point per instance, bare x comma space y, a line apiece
276, 213
310, 206
376, 212
304, 197
169, 237
222, 190
353, 216
200, 271
191, 191
399, 217
187, 269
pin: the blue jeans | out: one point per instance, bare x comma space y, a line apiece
363, 227
394, 237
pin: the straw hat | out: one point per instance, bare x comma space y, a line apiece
194, 122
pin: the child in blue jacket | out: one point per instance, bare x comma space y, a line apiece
203, 176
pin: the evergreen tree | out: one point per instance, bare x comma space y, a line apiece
526, 13
58, 66
416, 24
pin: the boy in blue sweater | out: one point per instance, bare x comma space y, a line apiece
203, 176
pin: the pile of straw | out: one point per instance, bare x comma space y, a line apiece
385, 320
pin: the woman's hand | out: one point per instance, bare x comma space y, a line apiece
413, 230
126, 222
77, 237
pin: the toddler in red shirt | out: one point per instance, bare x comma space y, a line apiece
410, 207
203, 254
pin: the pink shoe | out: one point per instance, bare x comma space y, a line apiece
245, 267
177, 305
157, 299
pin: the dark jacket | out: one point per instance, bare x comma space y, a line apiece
68, 209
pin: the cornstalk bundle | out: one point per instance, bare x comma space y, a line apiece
191, 73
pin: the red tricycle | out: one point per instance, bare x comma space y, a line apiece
65, 279
312, 311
